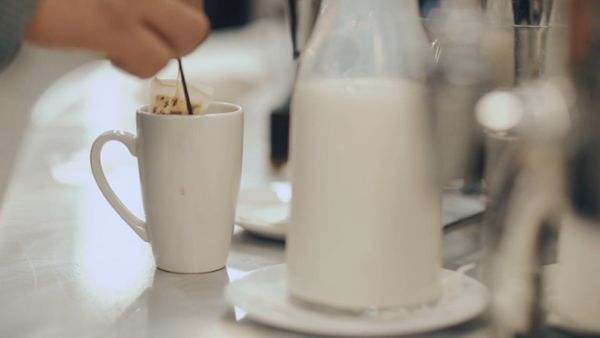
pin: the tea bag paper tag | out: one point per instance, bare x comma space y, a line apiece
166, 97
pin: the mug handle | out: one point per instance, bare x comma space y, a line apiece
128, 140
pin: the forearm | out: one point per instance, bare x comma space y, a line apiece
14, 16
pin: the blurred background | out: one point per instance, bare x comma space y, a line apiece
249, 52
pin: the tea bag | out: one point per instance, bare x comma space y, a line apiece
167, 97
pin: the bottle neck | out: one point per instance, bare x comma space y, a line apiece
376, 9
367, 38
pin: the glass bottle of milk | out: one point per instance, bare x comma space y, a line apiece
365, 216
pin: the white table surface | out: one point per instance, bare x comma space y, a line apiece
20, 84
70, 267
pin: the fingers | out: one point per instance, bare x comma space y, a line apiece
144, 58
180, 25
138, 36
168, 29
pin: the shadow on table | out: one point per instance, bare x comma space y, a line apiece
176, 305
249, 252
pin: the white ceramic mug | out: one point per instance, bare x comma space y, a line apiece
190, 169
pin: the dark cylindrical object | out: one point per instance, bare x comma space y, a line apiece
229, 13
584, 183
280, 131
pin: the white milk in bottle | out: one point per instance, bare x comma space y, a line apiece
365, 215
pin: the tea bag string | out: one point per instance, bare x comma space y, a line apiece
178, 87
185, 88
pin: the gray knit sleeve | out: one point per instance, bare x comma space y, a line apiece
14, 15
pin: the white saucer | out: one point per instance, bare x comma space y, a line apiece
263, 296
264, 211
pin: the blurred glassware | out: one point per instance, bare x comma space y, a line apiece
526, 43
525, 40
459, 78
520, 231
557, 182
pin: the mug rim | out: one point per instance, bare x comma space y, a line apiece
234, 109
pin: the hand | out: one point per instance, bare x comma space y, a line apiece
138, 36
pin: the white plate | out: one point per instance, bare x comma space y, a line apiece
264, 211
263, 296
